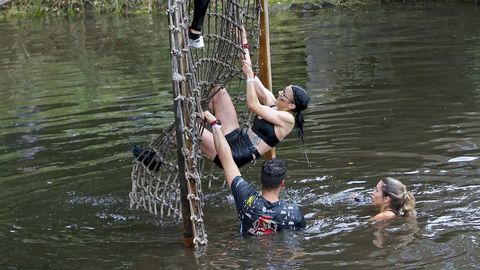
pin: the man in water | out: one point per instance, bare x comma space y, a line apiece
258, 214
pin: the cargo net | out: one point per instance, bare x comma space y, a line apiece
155, 175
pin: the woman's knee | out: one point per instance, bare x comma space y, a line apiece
220, 97
207, 145
221, 94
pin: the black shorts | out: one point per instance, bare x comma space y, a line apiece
243, 151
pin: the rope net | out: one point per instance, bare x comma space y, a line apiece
196, 74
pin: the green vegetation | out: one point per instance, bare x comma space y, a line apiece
71, 7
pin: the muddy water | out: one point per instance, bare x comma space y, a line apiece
395, 92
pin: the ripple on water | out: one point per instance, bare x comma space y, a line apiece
462, 159
389, 96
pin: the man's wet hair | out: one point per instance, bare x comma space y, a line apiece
273, 172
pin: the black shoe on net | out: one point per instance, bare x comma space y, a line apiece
148, 157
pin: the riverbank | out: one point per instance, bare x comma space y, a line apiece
39, 8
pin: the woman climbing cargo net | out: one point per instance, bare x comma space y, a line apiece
172, 163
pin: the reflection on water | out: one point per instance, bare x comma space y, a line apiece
395, 234
395, 92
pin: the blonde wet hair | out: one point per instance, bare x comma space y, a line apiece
401, 200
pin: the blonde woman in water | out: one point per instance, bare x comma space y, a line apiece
391, 197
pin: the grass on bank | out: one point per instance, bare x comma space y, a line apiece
39, 8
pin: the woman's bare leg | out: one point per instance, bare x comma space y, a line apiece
222, 107
207, 146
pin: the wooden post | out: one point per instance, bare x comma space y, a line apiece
180, 87
265, 73
182, 117
186, 221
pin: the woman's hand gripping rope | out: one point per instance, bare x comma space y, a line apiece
245, 58
247, 69
244, 35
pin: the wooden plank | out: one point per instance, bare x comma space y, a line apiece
265, 73
179, 66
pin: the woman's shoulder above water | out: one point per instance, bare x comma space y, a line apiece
384, 216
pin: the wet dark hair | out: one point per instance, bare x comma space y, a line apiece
273, 172
301, 100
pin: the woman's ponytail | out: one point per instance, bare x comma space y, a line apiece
408, 206
299, 125
301, 98
401, 200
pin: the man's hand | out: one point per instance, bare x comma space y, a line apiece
208, 116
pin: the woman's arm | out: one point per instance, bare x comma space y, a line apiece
264, 95
271, 115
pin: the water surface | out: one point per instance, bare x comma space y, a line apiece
395, 92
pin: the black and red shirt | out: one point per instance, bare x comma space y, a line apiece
259, 216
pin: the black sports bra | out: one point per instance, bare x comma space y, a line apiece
266, 131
